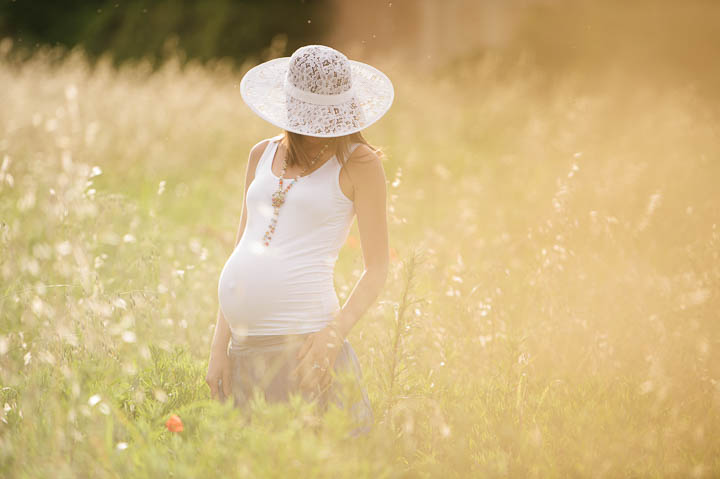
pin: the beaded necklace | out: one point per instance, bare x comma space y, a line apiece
278, 198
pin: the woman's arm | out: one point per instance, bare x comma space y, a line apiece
369, 196
222, 330
370, 199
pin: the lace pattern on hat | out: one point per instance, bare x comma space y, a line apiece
318, 70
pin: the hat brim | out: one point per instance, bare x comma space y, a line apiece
262, 89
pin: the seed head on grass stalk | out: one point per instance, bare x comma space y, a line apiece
397, 353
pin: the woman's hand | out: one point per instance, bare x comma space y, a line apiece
317, 357
219, 367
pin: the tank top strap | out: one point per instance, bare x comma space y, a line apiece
268, 152
351, 149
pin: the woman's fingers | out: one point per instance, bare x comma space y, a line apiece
305, 370
226, 381
310, 370
305, 355
213, 387
300, 368
325, 381
305, 347
310, 380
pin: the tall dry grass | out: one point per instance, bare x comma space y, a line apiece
552, 308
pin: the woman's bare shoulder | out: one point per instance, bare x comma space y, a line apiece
365, 166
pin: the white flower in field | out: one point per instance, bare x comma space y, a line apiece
161, 395
523, 358
441, 171
128, 238
121, 446
94, 399
91, 132
37, 306
180, 273
696, 297
40, 288
42, 251
161, 187
120, 303
64, 248
47, 357
30, 265
129, 336
646, 387
654, 202
104, 408
27, 201
484, 339
95, 172
27, 358
129, 369
195, 246
71, 92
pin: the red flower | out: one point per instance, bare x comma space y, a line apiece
174, 423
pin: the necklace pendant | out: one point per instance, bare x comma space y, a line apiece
278, 198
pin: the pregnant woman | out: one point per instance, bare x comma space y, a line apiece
280, 328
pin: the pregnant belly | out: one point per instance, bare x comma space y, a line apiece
262, 294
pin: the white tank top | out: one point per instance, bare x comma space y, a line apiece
287, 287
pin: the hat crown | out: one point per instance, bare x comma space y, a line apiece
319, 69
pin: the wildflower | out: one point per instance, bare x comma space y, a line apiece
174, 423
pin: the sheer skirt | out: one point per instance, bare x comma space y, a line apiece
265, 363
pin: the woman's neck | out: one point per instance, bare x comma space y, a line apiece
313, 145
311, 142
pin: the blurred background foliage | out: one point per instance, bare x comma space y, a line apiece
139, 28
663, 42
556, 163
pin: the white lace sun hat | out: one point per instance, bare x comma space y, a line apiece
317, 92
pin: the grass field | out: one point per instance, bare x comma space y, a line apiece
552, 308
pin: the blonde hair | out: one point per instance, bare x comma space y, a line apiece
341, 144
